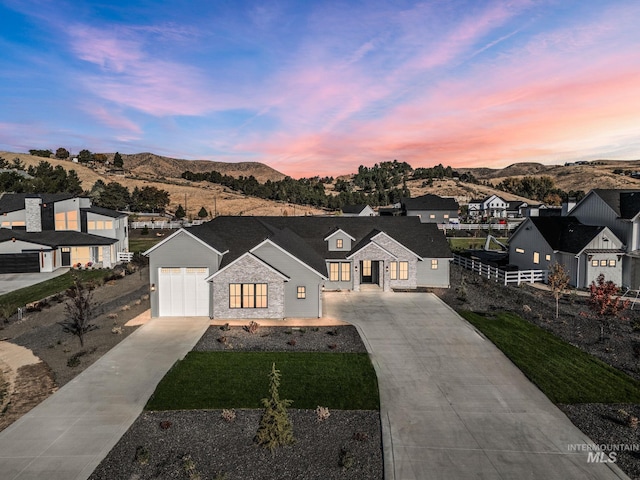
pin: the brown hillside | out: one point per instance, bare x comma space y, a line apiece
198, 194
150, 164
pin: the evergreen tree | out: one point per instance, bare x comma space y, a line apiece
203, 213
62, 153
117, 161
180, 213
275, 427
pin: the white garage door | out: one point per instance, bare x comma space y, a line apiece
183, 292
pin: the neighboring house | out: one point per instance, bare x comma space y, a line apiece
516, 209
358, 211
431, 208
585, 251
492, 206
43, 232
620, 211
277, 267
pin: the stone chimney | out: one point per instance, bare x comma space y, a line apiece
33, 214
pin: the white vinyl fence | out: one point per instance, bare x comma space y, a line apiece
501, 276
164, 225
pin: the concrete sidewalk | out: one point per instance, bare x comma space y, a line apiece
10, 282
67, 435
452, 405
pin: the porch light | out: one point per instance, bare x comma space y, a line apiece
153, 287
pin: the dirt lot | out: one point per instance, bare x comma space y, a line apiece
116, 302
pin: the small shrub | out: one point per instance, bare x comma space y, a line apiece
360, 436
292, 342
190, 468
222, 339
165, 424
526, 308
116, 330
332, 346
145, 230
74, 360
275, 427
322, 413
225, 327
333, 332
635, 326
346, 460
228, 415
137, 302
315, 329
112, 316
252, 327
125, 308
144, 297
142, 455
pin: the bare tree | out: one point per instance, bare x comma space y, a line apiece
558, 281
79, 309
604, 302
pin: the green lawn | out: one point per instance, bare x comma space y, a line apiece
563, 372
465, 243
11, 301
213, 380
143, 244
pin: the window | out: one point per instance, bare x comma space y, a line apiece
594, 263
302, 293
434, 264
432, 215
393, 270
66, 220
247, 295
345, 272
404, 270
366, 268
547, 257
519, 250
445, 216
339, 271
536, 257
603, 263
339, 243
334, 272
612, 263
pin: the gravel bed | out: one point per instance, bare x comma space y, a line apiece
283, 339
609, 425
347, 445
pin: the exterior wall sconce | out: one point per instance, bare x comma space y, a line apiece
153, 287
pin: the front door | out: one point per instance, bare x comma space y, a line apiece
369, 271
66, 256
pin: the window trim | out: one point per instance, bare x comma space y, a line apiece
339, 243
434, 264
403, 273
301, 292
393, 270
536, 258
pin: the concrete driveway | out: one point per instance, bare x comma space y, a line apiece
14, 281
452, 405
67, 435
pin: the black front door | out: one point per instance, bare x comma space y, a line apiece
66, 256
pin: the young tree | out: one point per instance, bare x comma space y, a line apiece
85, 156
558, 281
180, 213
275, 427
203, 213
79, 310
603, 303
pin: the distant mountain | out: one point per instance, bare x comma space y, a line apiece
152, 165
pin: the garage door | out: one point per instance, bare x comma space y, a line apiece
183, 292
19, 262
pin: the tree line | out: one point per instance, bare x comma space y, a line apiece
84, 156
43, 178
542, 189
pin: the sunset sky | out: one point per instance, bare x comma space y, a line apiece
320, 87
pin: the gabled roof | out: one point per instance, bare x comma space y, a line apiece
335, 230
430, 202
56, 239
254, 258
354, 208
216, 246
624, 202
303, 237
566, 234
12, 202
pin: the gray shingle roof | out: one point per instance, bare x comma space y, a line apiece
625, 202
303, 237
104, 211
353, 208
430, 202
56, 239
12, 202
566, 234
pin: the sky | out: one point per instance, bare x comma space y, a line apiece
319, 87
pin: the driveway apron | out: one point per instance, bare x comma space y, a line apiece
67, 435
453, 406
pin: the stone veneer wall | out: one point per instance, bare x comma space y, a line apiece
33, 216
403, 256
248, 270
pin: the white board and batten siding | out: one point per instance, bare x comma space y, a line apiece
185, 293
